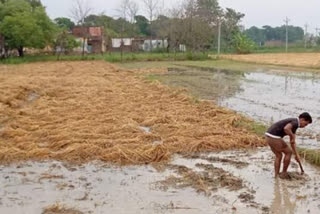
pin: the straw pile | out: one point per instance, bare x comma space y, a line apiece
60, 209
309, 60
84, 111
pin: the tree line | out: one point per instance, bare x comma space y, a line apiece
268, 33
194, 23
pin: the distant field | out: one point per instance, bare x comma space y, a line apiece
306, 60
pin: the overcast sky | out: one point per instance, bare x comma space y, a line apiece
258, 12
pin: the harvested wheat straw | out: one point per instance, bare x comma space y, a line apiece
308, 60
88, 111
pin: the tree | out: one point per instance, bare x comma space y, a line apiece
257, 35
209, 10
133, 9
176, 28
242, 44
80, 10
64, 43
143, 25
151, 6
198, 32
35, 3
230, 25
24, 26
268, 33
64, 23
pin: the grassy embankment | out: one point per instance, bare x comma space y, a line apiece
113, 58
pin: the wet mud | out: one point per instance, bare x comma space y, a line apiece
238, 181
204, 183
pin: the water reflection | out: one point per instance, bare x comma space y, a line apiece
269, 97
264, 96
282, 202
209, 84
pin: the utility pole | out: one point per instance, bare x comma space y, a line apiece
287, 22
305, 35
219, 36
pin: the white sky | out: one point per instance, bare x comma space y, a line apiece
258, 12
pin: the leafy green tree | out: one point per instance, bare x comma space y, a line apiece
24, 26
230, 25
268, 33
64, 23
209, 10
35, 3
242, 44
257, 35
65, 42
143, 25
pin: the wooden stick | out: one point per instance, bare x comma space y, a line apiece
302, 171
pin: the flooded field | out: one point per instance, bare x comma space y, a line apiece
240, 181
263, 95
237, 181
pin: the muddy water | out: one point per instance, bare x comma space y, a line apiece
96, 188
271, 96
265, 96
93, 188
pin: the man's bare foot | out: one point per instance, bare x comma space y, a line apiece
285, 175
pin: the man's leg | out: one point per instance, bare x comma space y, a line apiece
287, 158
277, 163
276, 147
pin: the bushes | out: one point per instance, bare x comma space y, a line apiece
242, 44
114, 57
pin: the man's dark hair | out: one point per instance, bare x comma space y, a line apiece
306, 116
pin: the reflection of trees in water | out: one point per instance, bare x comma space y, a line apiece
211, 84
282, 204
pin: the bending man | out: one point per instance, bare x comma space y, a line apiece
274, 137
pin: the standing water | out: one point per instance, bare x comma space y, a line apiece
238, 181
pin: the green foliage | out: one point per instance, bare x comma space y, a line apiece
34, 3
143, 25
230, 26
65, 42
257, 35
25, 25
21, 30
268, 33
64, 23
252, 126
111, 25
312, 156
242, 44
116, 57
197, 56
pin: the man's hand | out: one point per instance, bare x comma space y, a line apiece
297, 157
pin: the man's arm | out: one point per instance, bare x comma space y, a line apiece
288, 131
